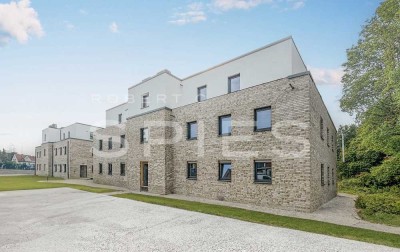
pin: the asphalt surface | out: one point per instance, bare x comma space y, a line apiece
65, 219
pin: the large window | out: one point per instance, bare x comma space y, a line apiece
65, 150
225, 171
321, 127
145, 100
119, 118
262, 118
263, 171
144, 135
192, 130
234, 83
60, 151
122, 141
202, 93
122, 166
100, 168
65, 168
328, 173
225, 125
100, 144
110, 143
322, 175
44, 152
109, 169
327, 136
192, 170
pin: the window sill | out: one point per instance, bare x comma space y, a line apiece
191, 178
222, 135
191, 139
262, 183
224, 180
261, 130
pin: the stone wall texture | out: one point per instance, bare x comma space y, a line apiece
44, 159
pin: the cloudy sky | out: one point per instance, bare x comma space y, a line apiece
56, 56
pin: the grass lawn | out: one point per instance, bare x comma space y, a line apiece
11, 183
312, 226
381, 218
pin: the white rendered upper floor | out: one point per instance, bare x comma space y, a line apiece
77, 131
271, 62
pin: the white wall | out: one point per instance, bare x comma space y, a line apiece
50, 135
274, 61
78, 130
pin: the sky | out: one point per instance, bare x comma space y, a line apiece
58, 57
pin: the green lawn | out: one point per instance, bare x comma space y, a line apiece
11, 183
312, 226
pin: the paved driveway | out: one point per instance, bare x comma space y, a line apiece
64, 219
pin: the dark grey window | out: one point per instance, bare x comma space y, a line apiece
234, 83
109, 169
55, 168
122, 166
65, 150
110, 143
44, 152
321, 127
262, 118
69, 134
225, 171
322, 175
263, 171
91, 135
333, 177
60, 168
144, 135
225, 125
100, 144
65, 168
63, 135
56, 151
202, 93
327, 137
145, 100
192, 130
122, 141
100, 168
192, 170
119, 118
332, 142
328, 174
60, 151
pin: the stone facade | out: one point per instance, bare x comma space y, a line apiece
293, 146
44, 161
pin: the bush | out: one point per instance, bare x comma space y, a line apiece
382, 203
388, 173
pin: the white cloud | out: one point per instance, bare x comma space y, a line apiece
193, 13
19, 21
113, 27
226, 5
82, 12
324, 76
297, 5
69, 26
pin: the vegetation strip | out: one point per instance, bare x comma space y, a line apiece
11, 183
312, 226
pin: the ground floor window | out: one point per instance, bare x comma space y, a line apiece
263, 171
192, 170
55, 168
122, 169
333, 177
100, 168
225, 170
328, 174
109, 169
65, 168
322, 175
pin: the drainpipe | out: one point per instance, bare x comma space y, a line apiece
68, 159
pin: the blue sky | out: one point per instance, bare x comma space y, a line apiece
70, 51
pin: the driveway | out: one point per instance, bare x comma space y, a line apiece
65, 219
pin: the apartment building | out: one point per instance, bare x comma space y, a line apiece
252, 130
66, 152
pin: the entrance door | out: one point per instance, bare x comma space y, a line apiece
144, 175
83, 171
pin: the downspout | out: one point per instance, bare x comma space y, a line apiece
68, 159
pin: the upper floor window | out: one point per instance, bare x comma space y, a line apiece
225, 171
109, 169
201, 93
100, 168
328, 175
192, 170
192, 130
322, 175
56, 151
144, 135
100, 144
122, 166
145, 100
234, 83
91, 135
321, 127
332, 142
120, 118
63, 135
263, 171
44, 137
65, 150
44, 152
327, 137
110, 143
60, 151
69, 134
122, 141
225, 125
262, 118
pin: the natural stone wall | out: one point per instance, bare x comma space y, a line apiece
80, 154
44, 160
61, 159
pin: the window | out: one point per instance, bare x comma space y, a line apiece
234, 83
328, 174
322, 175
65, 150
333, 177
69, 134
122, 141
110, 143
45, 137
56, 151
144, 135
100, 144
262, 118
202, 93
122, 166
192, 130
65, 168
321, 128
100, 168
55, 168
63, 135
110, 169
44, 152
60, 167
327, 137
91, 135
262, 171
225, 125
225, 170
44, 168
119, 118
332, 143
60, 151
145, 100
192, 170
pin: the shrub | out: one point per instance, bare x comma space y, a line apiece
388, 173
383, 203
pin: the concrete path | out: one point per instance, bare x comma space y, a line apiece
340, 210
64, 219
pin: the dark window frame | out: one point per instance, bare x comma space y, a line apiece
122, 171
119, 118
322, 175
110, 145
328, 175
189, 131
255, 119
220, 165
255, 171
321, 127
220, 125
229, 83
122, 141
100, 144
199, 99
110, 169
145, 104
188, 176
142, 140
65, 150
100, 168
327, 136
